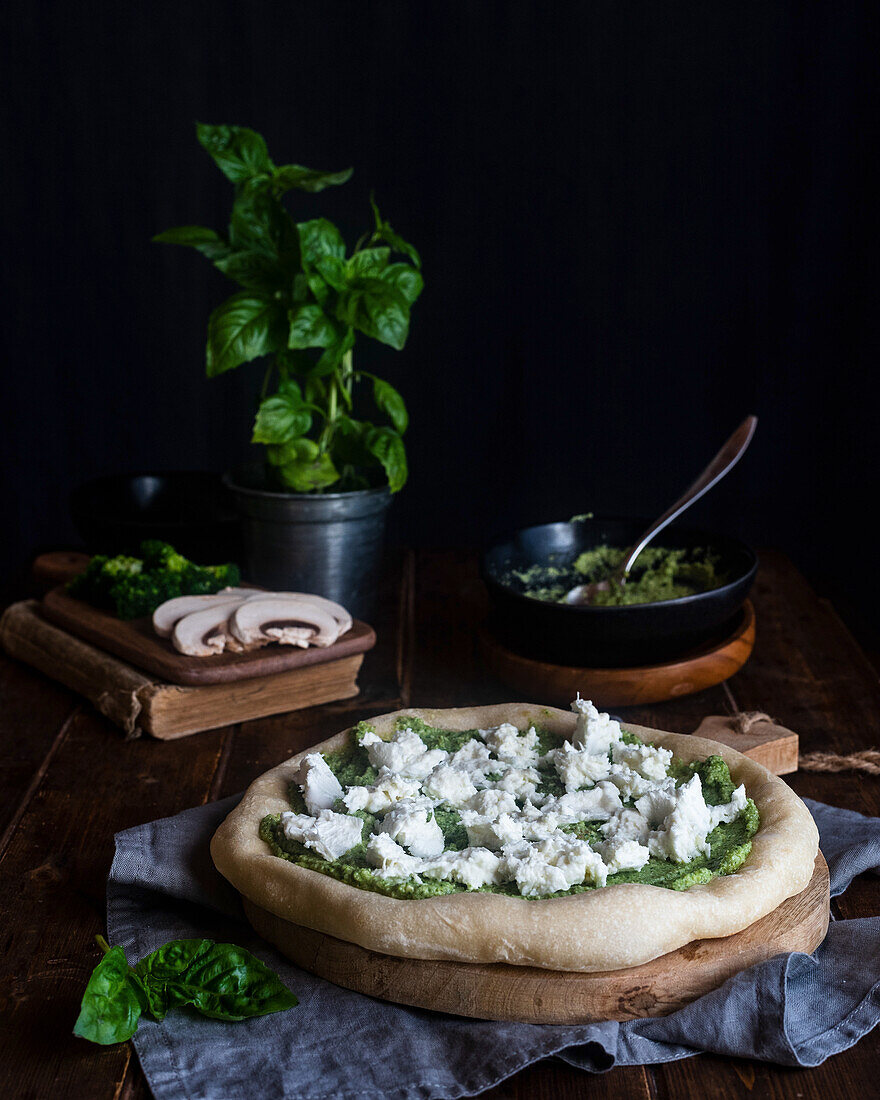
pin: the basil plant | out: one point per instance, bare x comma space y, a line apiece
302, 303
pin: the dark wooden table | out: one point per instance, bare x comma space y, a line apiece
68, 782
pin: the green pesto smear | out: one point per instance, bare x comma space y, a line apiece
730, 843
658, 574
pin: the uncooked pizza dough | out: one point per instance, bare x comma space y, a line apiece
606, 928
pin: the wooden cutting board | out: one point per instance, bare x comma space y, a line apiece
528, 994
136, 642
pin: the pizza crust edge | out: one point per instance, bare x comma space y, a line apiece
606, 929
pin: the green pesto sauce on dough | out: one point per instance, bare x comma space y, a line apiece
659, 574
730, 844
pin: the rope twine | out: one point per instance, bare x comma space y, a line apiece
866, 760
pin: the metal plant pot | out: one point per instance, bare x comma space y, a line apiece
327, 543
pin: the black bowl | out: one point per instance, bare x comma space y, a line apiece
191, 509
610, 637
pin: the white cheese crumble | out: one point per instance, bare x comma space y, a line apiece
514, 833
319, 785
594, 732
331, 835
411, 823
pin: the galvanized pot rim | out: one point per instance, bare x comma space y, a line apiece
315, 507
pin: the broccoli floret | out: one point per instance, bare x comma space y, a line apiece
132, 587
137, 596
122, 566
161, 555
226, 576
198, 581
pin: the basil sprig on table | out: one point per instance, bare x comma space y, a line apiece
219, 980
302, 302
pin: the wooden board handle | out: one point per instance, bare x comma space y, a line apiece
773, 746
58, 567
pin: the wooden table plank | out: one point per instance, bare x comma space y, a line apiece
82, 783
52, 896
33, 715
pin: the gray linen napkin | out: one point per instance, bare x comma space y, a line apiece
794, 1009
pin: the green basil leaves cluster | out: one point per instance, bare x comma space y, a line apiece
216, 979
302, 302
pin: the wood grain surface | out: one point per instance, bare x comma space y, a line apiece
624, 687
531, 995
138, 702
136, 642
68, 784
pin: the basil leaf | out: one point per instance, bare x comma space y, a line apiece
221, 980
406, 279
307, 179
240, 154
332, 271
391, 403
253, 270
319, 238
377, 309
293, 451
331, 357
310, 327
349, 442
386, 445
280, 418
112, 1003
243, 328
199, 237
306, 475
260, 223
369, 261
384, 232
318, 287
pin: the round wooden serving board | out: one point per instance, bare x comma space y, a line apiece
531, 995
621, 687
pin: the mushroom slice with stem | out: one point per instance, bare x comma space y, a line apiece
339, 613
290, 620
171, 611
205, 633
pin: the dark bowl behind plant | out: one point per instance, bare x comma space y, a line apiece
191, 509
609, 637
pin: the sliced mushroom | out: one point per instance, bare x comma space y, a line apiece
290, 620
338, 612
168, 613
204, 633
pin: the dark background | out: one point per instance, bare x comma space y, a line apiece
639, 222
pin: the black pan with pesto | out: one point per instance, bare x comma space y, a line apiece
658, 574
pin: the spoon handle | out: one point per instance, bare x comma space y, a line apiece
725, 460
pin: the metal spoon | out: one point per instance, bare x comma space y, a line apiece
725, 460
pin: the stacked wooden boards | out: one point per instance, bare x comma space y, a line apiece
143, 685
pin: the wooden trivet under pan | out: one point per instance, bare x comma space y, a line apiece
622, 687
533, 995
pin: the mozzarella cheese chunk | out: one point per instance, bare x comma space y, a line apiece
329, 834
389, 859
729, 811
578, 768
319, 785
472, 867
595, 733
388, 789
411, 823
404, 748
682, 835
649, 761
449, 785
507, 829
506, 742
